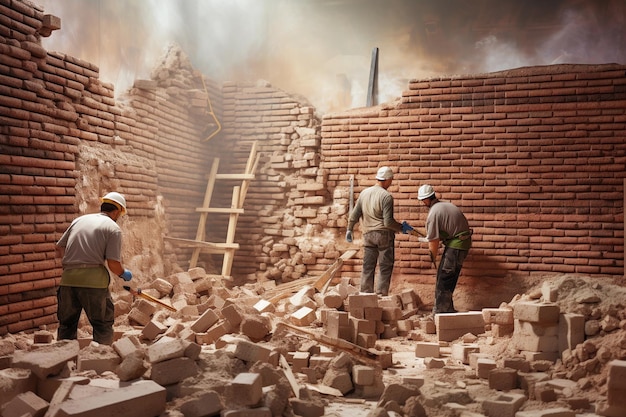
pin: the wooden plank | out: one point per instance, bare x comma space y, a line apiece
234, 176
203, 245
334, 268
208, 193
60, 395
293, 382
219, 210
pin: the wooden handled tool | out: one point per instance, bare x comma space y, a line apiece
139, 293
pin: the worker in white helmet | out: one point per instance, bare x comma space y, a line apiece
448, 225
88, 243
375, 208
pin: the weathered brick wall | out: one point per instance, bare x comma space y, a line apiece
535, 157
65, 140
286, 205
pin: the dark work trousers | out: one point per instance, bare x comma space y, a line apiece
378, 247
447, 277
98, 308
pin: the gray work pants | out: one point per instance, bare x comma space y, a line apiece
98, 308
447, 277
378, 248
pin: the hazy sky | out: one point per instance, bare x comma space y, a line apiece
321, 49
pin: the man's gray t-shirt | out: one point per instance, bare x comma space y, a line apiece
444, 221
91, 239
375, 206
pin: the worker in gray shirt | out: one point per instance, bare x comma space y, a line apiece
374, 208
448, 225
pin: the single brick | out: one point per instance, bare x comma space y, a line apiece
204, 322
247, 388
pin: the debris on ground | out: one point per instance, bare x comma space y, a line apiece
272, 350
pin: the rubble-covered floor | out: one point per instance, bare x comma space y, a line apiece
257, 351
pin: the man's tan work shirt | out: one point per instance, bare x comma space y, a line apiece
375, 207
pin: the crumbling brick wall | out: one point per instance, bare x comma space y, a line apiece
535, 158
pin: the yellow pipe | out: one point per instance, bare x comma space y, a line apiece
219, 126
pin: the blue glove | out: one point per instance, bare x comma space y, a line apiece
349, 236
406, 228
126, 275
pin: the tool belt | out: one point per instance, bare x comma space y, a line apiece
462, 236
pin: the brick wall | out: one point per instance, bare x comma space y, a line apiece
65, 141
535, 157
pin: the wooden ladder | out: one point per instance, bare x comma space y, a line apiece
229, 247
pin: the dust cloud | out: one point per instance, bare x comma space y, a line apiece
322, 49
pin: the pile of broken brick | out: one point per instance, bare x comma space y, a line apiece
259, 351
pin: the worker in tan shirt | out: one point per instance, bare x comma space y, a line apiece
374, 208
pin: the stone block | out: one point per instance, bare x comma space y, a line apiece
484, 366
26, 403
504, 405
100, 359
427, 349
153, 329
571, 331
504, 379
47, 360
498, 315
461, 351
452, 326
139, 399
125, 346
205, 321
247, 388
173, 370
251, 352
304, 316
552, 412
263, 306
363, 375
536, 312
300, 360
165, 349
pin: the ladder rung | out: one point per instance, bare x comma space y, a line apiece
234, 176
219, 210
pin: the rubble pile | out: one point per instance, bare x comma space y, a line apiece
267, 350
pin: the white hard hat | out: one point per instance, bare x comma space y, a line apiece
384, 173
425, 191
116, 199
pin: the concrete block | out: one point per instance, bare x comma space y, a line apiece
125, 346
617, 374
452, 326
373, 313
25, 404
47, 360
484, 367
300, 360
363, 375
474, 356
251, 352
305, 408
498, 315
165, 349
362, 326
15, 381
204, 322
363, 300
427, 349
173, 370
536, 312
304, 316
100, 359
502, 330
153, 329
504, 405
520, 364
461, 351
553, 412
247, 412
366, 340
263, 306
535, 337
231, 314
571, 331
504, 379
139, 399
247, 388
